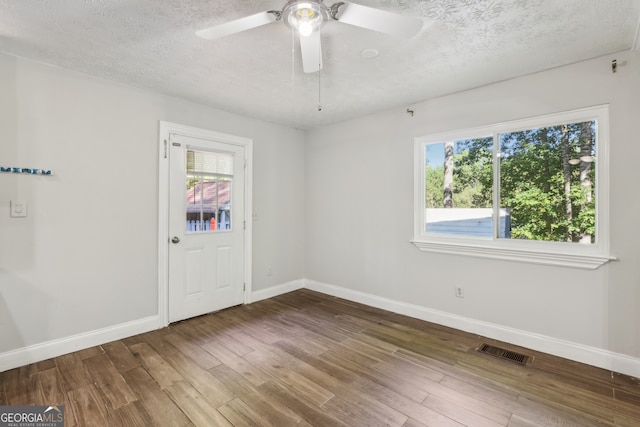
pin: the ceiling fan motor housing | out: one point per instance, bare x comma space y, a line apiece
305, 16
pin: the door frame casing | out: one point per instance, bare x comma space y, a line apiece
166, 130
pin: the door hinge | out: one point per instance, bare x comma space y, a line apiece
244, 224
244, 287
165, 148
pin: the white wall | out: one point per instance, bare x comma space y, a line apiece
85, 258
359, 213
334, 205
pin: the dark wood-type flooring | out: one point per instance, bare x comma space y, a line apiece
307, 359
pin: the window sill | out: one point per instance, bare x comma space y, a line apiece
580, 261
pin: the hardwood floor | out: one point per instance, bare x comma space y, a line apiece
307, 359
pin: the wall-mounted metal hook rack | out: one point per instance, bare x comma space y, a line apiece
25, 171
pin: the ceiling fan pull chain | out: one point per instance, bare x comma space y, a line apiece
293, 62
319, 80
319, 103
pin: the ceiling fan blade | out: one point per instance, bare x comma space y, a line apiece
237, 26
311, 49
379, 20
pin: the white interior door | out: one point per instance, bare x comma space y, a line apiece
206, 226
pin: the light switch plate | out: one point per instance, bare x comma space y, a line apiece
18, 208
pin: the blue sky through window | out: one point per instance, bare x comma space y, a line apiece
435, 154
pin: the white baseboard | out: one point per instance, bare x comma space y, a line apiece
585, 354
274, 291
43, 351
35, 353
580, 353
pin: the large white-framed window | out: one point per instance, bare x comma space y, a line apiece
534, 190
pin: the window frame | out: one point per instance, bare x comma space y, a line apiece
564, 254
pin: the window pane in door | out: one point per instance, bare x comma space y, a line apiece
208, 191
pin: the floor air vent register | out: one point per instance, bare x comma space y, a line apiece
504, 354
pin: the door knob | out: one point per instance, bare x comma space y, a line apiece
175, 239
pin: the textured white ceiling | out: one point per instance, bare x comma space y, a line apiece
463, 44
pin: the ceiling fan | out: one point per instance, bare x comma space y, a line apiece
307, 16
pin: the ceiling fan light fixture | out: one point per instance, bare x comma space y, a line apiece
304, 16
305, 28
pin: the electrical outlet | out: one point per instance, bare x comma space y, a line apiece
459, 292
269, 271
